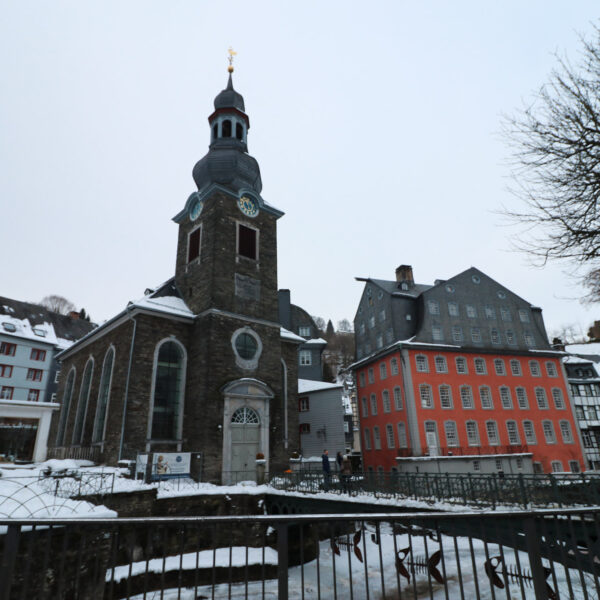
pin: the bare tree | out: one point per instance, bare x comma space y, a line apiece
556, 160
57, 304
345, 326
319, 322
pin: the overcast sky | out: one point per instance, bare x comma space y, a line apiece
375, 124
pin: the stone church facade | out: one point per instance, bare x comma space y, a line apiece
199, 364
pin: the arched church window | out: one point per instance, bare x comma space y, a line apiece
168, 392
239, 131
226, 128
215, 131
66, 405
82, 404
245, 416
102, 408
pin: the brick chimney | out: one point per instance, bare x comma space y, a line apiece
404, 274
74, 315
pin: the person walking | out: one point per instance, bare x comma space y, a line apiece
326, 470
346, 473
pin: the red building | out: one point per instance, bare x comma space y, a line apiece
466, 372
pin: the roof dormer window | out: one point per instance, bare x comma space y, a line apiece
39, 332
9, 327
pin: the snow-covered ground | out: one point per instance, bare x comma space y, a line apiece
377, 572
24, 496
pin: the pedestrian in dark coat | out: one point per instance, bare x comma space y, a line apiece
338, 459
326, 470
346, 473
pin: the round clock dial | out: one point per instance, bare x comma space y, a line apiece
248, 206
196, 209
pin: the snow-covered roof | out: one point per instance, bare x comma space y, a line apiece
316, 341
165, 304
306, 386
593, 348
572, 360
25, 320
290, 335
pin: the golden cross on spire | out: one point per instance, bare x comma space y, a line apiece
232, 53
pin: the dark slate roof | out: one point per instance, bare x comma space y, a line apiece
393, 287
65, 327
229, 98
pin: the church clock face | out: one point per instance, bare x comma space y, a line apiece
196, 209
248, 206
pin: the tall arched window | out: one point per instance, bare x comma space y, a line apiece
168, 392
66, 405
103, 396
239, 131
82, 405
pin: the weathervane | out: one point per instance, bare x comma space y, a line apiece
232, 53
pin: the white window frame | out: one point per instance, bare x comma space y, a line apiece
394, 366
551, 369
534, 368
566, 432
421, 363
451, 433
305, 358
541, 398
492, 427
441, 365
382, 371
481, 362
398, 405
374, 405
505, 397
468, 397
461, 360
385, 400
512, 431
376, 438
473, 441
486, 403
522, 405
498, 362
389, 434
530, 437
402, 437
558, 398
549, 432
427, 397
515, 368
448, 397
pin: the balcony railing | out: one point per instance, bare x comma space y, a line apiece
522, 554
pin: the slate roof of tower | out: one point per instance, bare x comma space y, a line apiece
229, 98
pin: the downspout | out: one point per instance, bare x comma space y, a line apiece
285, 405
127, 387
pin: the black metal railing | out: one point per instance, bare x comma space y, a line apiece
91, 453
518, 554
544, 490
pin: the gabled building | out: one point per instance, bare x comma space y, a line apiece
310, 353
459, 375
200, 364
30, 337
581, 366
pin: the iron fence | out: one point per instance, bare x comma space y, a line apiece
543, 490
521, 554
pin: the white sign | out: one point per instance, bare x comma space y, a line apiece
166, 465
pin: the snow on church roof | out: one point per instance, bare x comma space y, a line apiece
166, 304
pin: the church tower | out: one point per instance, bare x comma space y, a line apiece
239, 397
227, 248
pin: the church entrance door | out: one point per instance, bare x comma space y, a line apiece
245, 444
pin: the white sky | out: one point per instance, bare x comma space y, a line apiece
375, 125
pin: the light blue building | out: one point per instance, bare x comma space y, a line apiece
30, 337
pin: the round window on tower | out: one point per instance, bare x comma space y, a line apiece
247, 347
